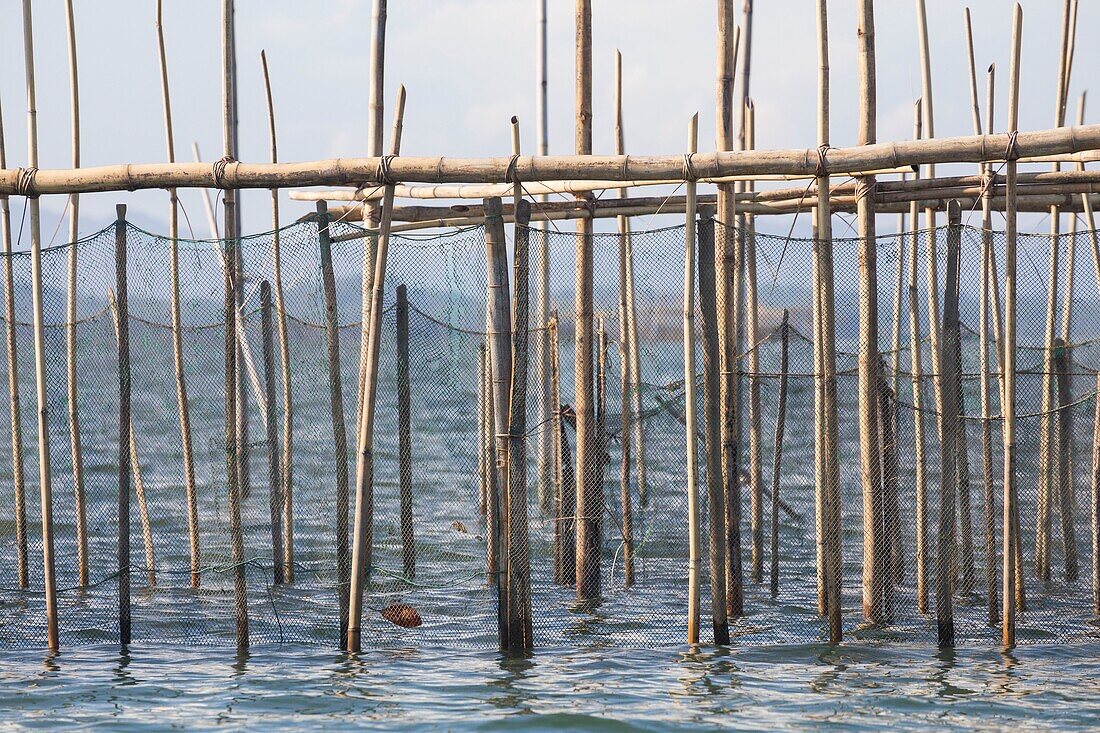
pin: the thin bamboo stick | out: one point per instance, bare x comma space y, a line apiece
777, 452
589, 492
712, 422
1095, 504
1008, 614
122, 326
287, 461
891, 565
752, 336
519, 553
1065, 439
207, 202
564, 486
70, 314
404, 435
45, 478
694, 548
16, 420
482, 437
363, 537
131, 442
500, 360
235, 424
915, 348
336, 411
275, 504
547, 455
874, 551
177, 337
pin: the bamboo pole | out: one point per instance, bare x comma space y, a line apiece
564, 486
500, 360
275, 504
1095, 504
1065, 439
122, 326
777, 452
131, 443
874, 552
1008, 614
482, 434
70, 314
589, 492
752, 336
207, 203
336, 411
287, 460
16, 420
694, 549
235, 417
829, 491
363, 537
519, 553
177, 337
891, 565
404, 435
45, 479
547, 455
712, 422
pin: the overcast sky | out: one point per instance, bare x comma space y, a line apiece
470, 64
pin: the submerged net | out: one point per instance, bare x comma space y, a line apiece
449, 456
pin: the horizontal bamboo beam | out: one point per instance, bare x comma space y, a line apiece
390, 169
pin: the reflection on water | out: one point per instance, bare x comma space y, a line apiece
857, 687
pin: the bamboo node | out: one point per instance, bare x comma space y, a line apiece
24, 183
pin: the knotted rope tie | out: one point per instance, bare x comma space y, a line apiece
384, 175
510, 174
865, 188
219, 170
24, 184
688, 173
822, 163
1012, 152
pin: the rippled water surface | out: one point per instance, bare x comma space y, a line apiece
852, 687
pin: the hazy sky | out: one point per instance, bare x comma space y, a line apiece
470, 64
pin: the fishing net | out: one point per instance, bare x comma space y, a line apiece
431, 491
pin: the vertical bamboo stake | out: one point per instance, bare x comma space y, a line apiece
589, 491
1086, 203
404, 435
1065, 439
519, 564
1095, 500
275, 504
564, 487
363, 537
207, 202
1049, 475
777, 453
336, 409
890, 567
729, 38
752, 336
287, 462
629, 392
488, 477
122, 329
694, 551
628, 313
500, 359
867, 365
829, 498
70, 314
16, 420
1008, 615
135, 464
482, 431
948, 368
235, 435
177, 337
712, 423
547, 437
45, 479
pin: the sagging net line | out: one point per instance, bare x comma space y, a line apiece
445, 279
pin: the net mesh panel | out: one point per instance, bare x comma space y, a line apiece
451, 458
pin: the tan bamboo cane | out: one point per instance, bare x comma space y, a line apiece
121, 314
404, 436
694, 545
777, 453
336, 410
207, 202
363, 536
286, 462
45, 478
275, 504
70, 314
1010, 527
177, 336
752, 336
15, 413
547, 455
712, 422
1065, 438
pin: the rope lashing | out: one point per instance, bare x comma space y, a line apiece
689, 173
24, 184
1012, 151
822, 163
219, 170
510, 174
384, 174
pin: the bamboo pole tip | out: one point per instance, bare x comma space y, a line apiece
515, 120
322, 208
120, 211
